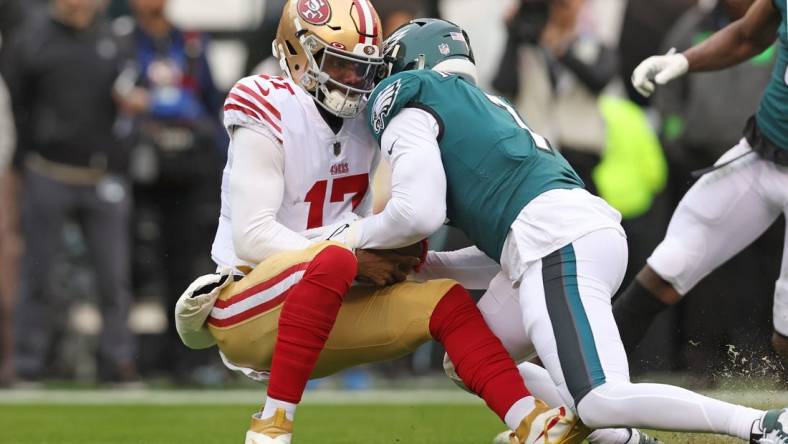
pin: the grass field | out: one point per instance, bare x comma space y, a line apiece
415, 417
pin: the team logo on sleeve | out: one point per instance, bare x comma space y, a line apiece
382, 106
316, 12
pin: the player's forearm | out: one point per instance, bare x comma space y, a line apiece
737, 42
257, 240
469, 266
724, 49
398, 225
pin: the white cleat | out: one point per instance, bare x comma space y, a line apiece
275, 430
549, 426
773, 428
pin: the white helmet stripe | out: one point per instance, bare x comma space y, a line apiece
367, 22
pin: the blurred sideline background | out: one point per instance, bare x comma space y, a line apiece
566, 69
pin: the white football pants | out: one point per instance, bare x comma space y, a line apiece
724, 212
562, 309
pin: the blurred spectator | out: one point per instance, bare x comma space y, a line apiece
176, 160
9, 237
60, 70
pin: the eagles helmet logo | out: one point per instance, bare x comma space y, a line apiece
316, 12
382, 106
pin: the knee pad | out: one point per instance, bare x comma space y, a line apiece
780, 308
671, 260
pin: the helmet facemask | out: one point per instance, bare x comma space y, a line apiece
339, 80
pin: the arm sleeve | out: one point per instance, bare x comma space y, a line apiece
257, 186
418, 185
469, 266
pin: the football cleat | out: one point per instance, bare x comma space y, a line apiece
773, 428
638, 437
549, 426
275, 430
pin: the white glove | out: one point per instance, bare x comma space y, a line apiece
660, 69
194, 306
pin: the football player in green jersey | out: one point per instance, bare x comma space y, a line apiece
735, 202
459, 153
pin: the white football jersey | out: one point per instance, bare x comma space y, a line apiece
327, 175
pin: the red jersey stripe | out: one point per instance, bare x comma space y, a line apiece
261, 114
248, 112
260, 99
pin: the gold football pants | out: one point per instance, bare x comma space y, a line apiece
373, 324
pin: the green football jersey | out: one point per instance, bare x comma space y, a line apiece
494, 163
772, 114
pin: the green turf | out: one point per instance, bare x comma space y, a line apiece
174, 424
323, 424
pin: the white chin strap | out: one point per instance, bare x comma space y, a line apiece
460, 66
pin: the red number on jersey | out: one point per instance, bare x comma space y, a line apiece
356, 184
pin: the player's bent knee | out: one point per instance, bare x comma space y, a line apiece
598, 410
336, 261
671, 263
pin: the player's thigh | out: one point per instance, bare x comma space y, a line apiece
565, 299
378, 324
500, 307
244, 320
723, 212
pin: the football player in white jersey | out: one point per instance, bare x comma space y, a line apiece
282, 308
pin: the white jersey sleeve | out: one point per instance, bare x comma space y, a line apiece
256, 189
253, 103
417, 207
469, 266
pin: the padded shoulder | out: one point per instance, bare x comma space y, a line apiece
390, 97
257, 102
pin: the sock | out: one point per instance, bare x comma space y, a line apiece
307, 317
634, 311
610, 436
478, 355
518, 411
272, 404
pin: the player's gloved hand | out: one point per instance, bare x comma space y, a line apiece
384, 267
660, 70
194, 306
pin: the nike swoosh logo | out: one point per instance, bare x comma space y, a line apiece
391, 148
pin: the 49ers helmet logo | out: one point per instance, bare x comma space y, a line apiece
316, 12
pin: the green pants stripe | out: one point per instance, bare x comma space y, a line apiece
574, 339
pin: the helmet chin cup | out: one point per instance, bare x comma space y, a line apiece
341, 105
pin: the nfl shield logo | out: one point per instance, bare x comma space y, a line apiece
444, 49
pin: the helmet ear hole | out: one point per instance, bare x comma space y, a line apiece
290, 48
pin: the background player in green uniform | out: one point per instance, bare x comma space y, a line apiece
731, 206
457, 152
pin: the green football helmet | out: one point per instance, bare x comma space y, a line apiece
430, 44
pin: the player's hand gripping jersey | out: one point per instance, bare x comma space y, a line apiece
494, 163
323, 177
